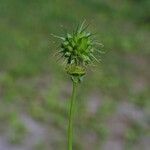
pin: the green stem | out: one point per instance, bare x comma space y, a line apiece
70, 125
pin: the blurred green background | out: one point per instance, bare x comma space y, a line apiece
112, 107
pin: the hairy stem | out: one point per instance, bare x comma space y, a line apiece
70, 124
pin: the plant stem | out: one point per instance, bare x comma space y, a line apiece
70, 124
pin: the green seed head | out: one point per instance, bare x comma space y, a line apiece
78, 49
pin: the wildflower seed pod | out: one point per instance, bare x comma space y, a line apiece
76, 72
78, 50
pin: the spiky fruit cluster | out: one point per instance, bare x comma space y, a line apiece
78, 50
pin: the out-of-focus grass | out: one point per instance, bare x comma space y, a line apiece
31, 81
